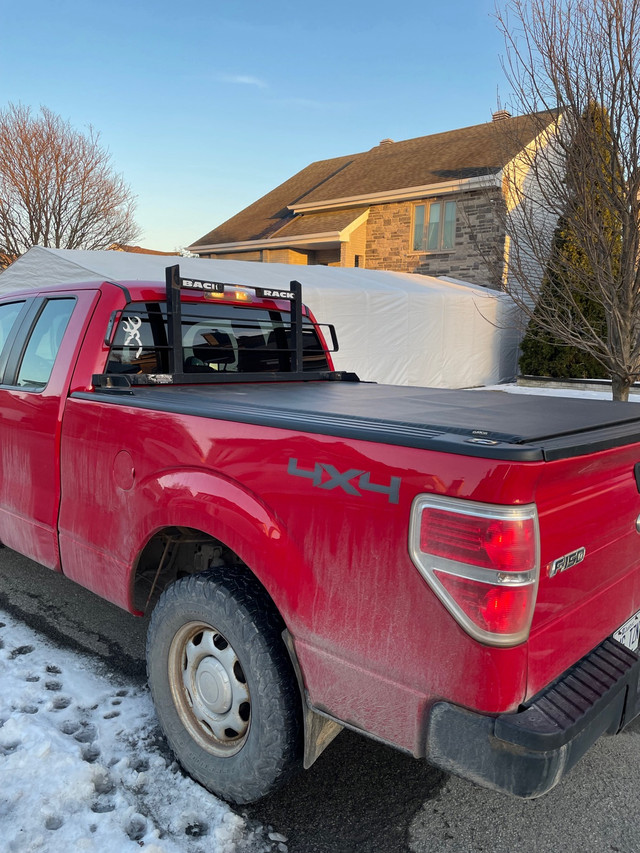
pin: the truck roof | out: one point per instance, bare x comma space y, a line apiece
151, 291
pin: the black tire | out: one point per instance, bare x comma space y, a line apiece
223, 684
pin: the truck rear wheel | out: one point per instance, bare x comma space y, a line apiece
223, 684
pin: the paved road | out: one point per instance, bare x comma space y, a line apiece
361, 797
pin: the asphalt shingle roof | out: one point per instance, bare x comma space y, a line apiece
269, 213
319, 223
482, 149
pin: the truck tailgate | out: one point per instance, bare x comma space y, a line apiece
589, 508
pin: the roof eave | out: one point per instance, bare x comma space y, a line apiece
403, 194
270, 243
301, 240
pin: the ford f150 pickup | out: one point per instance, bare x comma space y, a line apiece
455, 573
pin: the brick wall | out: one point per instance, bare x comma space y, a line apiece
328, 257
284, 256
384, 242
389, 235
234, 256
267, 256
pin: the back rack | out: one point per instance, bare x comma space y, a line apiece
176, 375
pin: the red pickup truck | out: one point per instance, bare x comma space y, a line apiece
455, 573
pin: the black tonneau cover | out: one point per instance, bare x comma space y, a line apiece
490, 424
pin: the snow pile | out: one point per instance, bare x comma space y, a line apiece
634, 394
84, 768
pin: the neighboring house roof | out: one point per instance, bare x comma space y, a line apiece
5, 260
136, 250
390, 170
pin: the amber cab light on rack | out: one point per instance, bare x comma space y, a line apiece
482, 561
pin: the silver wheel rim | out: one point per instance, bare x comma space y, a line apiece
209, 689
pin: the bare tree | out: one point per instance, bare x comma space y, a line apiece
580, 60
58, 187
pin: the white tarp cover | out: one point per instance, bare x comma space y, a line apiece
393, 328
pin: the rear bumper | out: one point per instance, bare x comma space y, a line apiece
527, 753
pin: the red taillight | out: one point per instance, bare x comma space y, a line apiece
496, 609
504, 544
482, 562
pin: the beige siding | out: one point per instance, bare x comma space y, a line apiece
357, 245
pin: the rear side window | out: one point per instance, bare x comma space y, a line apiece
8, 315
44, 343
215, 338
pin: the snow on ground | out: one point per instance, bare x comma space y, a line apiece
634, 396
84, 768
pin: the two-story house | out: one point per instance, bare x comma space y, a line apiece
425, 205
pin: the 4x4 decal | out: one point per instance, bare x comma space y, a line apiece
328, 477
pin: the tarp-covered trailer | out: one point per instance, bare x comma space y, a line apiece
393, 328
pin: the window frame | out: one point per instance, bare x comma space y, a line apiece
8, 345
427, 205
21, 335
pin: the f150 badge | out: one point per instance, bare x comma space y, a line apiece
328, 477
566, 562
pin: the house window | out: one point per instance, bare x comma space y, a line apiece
434, 226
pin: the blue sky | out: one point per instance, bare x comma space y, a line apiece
205, 106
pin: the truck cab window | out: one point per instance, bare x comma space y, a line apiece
140, 342
8, 315
44, 343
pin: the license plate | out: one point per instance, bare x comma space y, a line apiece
629, 633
